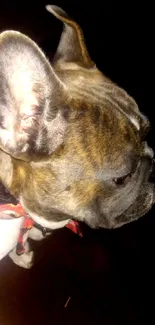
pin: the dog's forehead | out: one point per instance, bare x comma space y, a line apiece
93, 87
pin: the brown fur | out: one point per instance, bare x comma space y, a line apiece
102, 133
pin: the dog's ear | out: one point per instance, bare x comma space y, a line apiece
31, 97
71, 47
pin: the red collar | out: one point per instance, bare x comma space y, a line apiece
28, 223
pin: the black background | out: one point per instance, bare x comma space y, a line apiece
114, 274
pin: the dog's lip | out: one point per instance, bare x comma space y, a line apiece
154, 196
152, 174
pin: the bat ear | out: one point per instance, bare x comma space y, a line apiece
71, 47
30, 97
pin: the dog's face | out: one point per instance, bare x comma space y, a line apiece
89, 130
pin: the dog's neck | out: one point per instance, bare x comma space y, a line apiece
14, 173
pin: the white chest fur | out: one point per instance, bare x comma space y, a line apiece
46, 223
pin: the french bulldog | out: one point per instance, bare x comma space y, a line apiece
73, 142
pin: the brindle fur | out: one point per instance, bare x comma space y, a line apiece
69, 173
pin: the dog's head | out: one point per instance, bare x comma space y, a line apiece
73, 111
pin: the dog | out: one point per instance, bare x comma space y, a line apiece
73, 143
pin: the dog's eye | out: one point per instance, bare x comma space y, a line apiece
122, 180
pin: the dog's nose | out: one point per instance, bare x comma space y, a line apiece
152, 174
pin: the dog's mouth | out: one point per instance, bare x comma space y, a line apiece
141, 206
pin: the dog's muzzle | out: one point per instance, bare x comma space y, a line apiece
152, 173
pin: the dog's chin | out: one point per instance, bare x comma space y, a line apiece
139, 207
